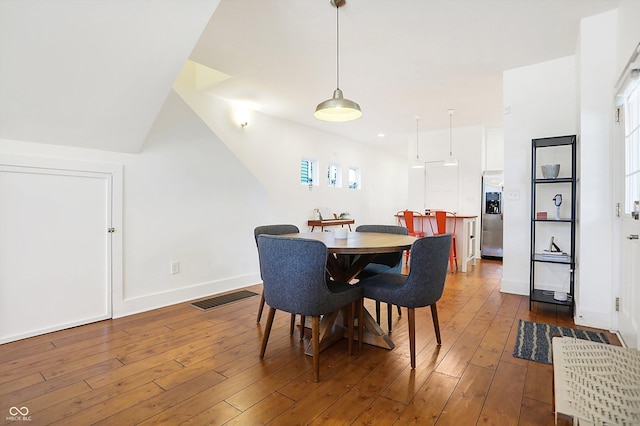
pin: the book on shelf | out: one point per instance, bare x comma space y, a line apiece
558, 255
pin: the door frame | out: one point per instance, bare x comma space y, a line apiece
622, 220
114, 172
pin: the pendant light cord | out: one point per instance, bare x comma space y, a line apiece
417, 145
337, 47
450, 137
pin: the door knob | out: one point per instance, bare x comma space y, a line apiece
633, 237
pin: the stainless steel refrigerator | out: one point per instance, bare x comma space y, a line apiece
492, 214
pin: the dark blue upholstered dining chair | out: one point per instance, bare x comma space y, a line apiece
387, 262
277, 230
293, 273
422, 287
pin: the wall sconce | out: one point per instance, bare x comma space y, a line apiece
242, 114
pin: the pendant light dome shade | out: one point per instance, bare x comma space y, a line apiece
338, 109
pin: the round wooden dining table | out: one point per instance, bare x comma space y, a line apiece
347, 257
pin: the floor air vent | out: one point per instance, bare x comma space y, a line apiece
205, 305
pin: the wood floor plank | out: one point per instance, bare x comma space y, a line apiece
536, 413
219, 414
202, 367
13, 351
313, 404
383, 411
21, 383
363, 394
157, 405
264, 411
492, 345
149, 367
466, 401
101, 397
538, 382
49, 386
502, 406
409, 381
430, 400
460, 354
108, 412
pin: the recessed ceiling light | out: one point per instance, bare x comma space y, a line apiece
381, 135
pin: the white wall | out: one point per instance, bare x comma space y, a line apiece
448, 188
597, 76
542, 102
566, 96
92, 74
271, 149
493, 151
189, 198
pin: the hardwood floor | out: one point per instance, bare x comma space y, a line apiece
180, 365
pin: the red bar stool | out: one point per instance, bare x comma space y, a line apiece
409, 217
441, 228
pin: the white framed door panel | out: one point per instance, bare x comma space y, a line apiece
55, 249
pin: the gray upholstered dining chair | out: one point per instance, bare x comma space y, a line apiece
277, 230
422, 287
293, 273
387, 262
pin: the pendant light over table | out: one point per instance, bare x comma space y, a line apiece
338, 108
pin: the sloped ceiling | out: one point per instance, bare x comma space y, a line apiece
95, 73
92, 74
398, 58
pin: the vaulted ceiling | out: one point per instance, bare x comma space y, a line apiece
95, 74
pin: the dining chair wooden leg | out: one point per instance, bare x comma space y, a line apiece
267, 331
378, 312
302, 321
436, 325
261, 307
292, 324
360, 323
399, 311
389, 311
315, 338
352, 313
412, 335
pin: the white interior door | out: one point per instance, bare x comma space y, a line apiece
627, 226
55, 266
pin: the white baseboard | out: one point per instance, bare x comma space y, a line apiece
57, 327
514, 287
158, 300
595, 319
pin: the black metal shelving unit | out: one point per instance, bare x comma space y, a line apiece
535, 294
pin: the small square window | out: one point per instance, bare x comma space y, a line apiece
335, 176
354, 177
308, 171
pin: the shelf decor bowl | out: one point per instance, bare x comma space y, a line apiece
550, 171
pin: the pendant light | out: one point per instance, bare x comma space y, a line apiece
451, 161
338, 108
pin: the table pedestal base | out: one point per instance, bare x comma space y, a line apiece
334, 327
